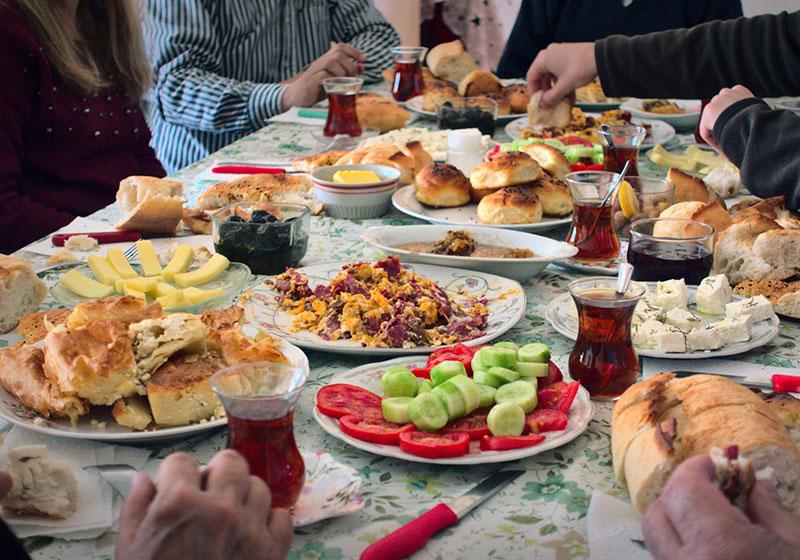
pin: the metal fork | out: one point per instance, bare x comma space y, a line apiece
130, 252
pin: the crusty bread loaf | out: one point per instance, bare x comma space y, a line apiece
21, 291
449, 61
281, 188
661, 421
152, 205
558, 117
711, 213
690, 188
479, 82
441, 185
549, 158
408, 159
773, 208
41, 486
505, 169
381, 113
510, 205
323, 159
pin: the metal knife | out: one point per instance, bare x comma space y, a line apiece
741, 379
412, 536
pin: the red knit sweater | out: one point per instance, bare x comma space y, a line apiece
62, 152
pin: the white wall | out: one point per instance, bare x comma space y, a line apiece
405, 16
755, 7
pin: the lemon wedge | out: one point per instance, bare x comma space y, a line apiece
628, 202
355, 177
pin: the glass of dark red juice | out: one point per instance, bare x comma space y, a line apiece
671, 248
259, 400
342, 116
627, 141
603, 359
408, 72
592, 230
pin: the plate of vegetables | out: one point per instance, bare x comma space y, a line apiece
460, 406
582, 154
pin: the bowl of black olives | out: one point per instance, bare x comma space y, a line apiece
266, 236
468, 112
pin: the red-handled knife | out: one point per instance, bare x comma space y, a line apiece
250, 170
412, 536
786, 383
102, 237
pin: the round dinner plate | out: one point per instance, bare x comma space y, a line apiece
505, 303
681, 121
415, 106
602, 268
660, 132
405, 201
99, 425
368, 376
563, 317
595, 107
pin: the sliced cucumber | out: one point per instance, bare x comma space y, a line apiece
476, 363
487, 394
534, 352
532, 370
451, 399
508, 375
443, 371
506, 419
425, 386
499, 357
395, 409
399, 382
469, 390
522, 393
427, 412
486, 378
507, 344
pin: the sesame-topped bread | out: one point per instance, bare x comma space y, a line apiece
21, 291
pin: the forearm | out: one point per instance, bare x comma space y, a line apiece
763, 143
760, 53
360, 24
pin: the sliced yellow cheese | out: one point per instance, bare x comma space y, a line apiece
204, 274
157, 278
196, 295
119, 286
148, 258
174, 300
162, 289
84, 286
135, 293
145, 285
120, 263
180, 262
103, 270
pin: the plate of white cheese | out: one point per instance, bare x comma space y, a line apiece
673, 320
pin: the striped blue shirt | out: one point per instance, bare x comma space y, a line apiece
218, 63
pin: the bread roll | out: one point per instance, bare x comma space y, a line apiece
21, 291
550, 159
450, 62
381, 113
479, 82
711, 213
42, 486
518, 96
502, 102
558, 117
510, 205
505, 169
152, 205
323, 159
554, 195
690, 188
442, 185
438, 94
661, 421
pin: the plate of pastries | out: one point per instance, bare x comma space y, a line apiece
591, 97
451, 74
120, 369
515, 190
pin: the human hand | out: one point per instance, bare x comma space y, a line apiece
560, 69
305, 89
724, 99
692, 520
5, 484
222, 513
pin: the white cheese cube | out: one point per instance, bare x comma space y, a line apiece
645, 310
758, 308
643, 333
713, 294
738, 329
672, 294
706, 338
682, 319
670, 339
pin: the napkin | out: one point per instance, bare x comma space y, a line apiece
753, 372
98, 506
613, 525
296, 115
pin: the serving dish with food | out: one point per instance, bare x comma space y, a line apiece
591, 97
432, 141
517, 255
384, 308
677, 321
682, 114
458, 407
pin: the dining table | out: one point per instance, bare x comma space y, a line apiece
541, 515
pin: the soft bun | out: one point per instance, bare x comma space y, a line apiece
549, 159
518, 96
438, 94
711, 213
449, 61
554, 195
505, 169
503, 104
442, 185
478, 82
511, 205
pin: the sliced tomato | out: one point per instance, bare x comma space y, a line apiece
373, 430
435, 446
558, 396
572, 140
422, 372
458, 353
341, 399
474, 425
553, 376
546, 420
506, 443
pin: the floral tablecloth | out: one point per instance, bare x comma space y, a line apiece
541, 515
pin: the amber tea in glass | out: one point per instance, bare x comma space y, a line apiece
342, 115
407, 81
627, 140
592, 229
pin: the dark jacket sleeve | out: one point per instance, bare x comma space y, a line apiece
145, 155
701, 11
764, 143
761, 53
532, 32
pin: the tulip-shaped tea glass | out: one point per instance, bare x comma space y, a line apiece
627, 141
408, 72
342, 116
592, 230
603, 359
259, 399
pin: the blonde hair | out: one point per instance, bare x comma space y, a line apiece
105, 47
